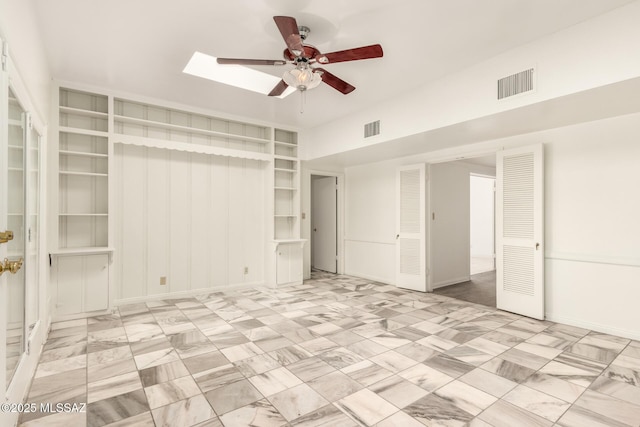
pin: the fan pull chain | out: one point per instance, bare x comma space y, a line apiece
302, 101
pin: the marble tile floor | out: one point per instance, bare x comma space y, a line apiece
334, 351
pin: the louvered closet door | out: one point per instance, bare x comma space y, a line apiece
520, 231
410, 226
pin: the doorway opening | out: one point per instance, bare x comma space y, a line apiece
482, 248
324, 223
462, 237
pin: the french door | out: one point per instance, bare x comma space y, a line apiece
19, 246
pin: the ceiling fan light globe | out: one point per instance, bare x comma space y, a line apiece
302, 79
315, 81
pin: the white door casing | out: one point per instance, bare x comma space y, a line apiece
4, 168
520, 231
411, 256
324, 225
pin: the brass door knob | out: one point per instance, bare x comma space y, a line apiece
5, 236
11, 266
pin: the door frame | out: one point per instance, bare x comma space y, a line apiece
306, 216
332, 183
493, 223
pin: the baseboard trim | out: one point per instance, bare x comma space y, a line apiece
626, 333
185, 294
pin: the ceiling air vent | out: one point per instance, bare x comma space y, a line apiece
372, 129
515, 84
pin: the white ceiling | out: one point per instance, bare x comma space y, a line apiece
141, 46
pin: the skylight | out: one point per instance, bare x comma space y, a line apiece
206, 66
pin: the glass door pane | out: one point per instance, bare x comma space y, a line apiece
32, 261
16, 247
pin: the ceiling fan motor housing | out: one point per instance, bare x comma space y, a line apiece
304, 31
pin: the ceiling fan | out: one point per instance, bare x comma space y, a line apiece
306, 75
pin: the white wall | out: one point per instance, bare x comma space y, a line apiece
370, 210
197, 219
20, 29
592, 230
481, 217
592, 54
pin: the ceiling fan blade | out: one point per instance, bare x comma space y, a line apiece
289, 29
239, 61
279, 88
365, 52
336, 82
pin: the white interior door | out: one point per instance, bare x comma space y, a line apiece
324, 223
411, 228
520, 231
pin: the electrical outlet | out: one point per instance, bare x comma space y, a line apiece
246, 270
163, 280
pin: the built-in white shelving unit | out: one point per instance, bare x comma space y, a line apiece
83, 205
91, 123
286, 185
286, 180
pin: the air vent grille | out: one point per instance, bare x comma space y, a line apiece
515, 84
372, 129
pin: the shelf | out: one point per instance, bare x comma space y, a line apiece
285, 170
16, 170
83, 214
17, 123
82, 173
279, 157
85, 113
285, 188
15, 147
288, 144
82, 154
82, 251
285, 216
186, 129
79, 131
